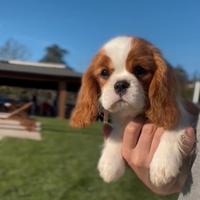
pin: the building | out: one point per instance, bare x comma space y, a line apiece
41, 76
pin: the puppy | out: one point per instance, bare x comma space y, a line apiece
129, 77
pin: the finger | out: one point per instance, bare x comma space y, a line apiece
188, 141
131, 134
156, 141
146, 137
130, 137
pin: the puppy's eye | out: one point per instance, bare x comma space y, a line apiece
104, 73
139, 71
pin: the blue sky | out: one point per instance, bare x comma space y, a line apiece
82, 26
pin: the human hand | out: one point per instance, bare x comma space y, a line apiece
138, 135
140, 142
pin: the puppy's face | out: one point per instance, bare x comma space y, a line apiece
128, 75
124, 79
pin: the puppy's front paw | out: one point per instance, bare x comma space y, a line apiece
166, 164
111, 167
162, 172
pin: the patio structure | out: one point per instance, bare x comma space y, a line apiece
41, 76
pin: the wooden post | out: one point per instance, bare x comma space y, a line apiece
61, 98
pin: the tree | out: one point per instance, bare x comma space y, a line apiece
55, 54
183, 82
182, 77
196, 76
13, 50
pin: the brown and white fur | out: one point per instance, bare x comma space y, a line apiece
129, 77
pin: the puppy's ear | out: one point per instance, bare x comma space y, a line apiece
86, 109
163, 109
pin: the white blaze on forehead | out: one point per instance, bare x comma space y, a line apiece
117, 50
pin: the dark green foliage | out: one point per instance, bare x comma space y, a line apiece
54, 54
183, 82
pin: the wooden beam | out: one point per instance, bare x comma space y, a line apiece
36, 77
61, 98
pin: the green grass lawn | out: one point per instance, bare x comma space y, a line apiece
62, 167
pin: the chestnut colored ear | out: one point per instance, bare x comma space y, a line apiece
163, 108
85, 111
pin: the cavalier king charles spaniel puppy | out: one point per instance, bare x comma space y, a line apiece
129, 77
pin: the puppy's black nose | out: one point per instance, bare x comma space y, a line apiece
121, 87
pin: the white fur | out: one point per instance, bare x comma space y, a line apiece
134, 99
167, 159
117, 49
166, 162
111, 164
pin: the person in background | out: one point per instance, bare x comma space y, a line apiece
34, 104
